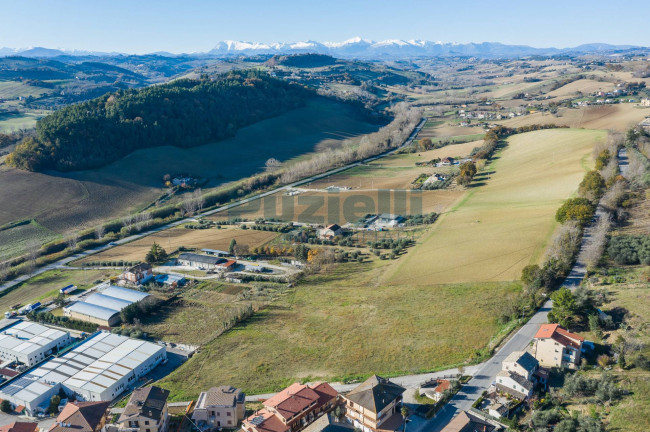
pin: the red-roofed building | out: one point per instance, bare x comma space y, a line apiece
20, 427
293, 408
555, 346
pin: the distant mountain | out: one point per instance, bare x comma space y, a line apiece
397, 48
353, 48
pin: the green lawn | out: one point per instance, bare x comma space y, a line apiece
343, 325
46, 285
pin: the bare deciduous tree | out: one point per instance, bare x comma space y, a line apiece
272, 164
596, 244
4, 270
71, 240
99, 232
127, 222
32, 250
142, 220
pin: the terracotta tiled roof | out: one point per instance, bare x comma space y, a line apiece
292, 400
560, 335
264, 421
442, 386
82, 417
20, 427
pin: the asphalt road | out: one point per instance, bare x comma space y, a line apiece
64, 261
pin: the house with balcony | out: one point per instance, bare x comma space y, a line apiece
138, 274
292, 409
220, 407
555, 346
145, 412
81, 417
374, 405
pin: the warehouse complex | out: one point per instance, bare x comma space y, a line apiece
99, 368
30, 343
104, 307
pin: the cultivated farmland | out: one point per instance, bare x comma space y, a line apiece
512, 213
61, 202
172, 239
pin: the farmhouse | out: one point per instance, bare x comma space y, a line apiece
146, 411
104, 307
220, 407
522, 363
30, 343
292, 409
81, 417
330, 231
555, 346
99, 369
138, 274
514, 384
205, 262
373, 405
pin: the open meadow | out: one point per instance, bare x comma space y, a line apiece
46, 286
512, 212
344, 325
172, 239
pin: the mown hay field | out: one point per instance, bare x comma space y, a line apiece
505, 224
617, 116
344, 324
173, 238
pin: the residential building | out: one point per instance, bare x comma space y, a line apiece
81, 417
555, 346
374, 405
522, 363
293, 408
20, 427
436, 389
466, 422
220, 407
100, 368
30, 343
138, 274
330, 231
514, 384
146, 411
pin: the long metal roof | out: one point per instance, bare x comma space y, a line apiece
93, 310
109, 302
124, 293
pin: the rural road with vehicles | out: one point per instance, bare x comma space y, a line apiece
62, 263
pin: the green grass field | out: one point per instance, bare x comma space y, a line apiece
10, 122
13, 240
46, 286
512, 213
344, 324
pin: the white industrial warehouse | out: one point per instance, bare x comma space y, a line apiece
104, 307
98, 369
29, 343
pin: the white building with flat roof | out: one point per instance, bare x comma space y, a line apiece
30, 343
98, 369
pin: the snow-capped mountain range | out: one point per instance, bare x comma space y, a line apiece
353, 48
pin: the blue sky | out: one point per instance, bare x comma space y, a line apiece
139, 26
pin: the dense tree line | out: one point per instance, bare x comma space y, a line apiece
628, 249
183, 113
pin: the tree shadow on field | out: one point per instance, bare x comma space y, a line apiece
477, 184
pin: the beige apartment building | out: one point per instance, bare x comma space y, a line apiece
375, 405
146, 411
220, 407
555, 346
